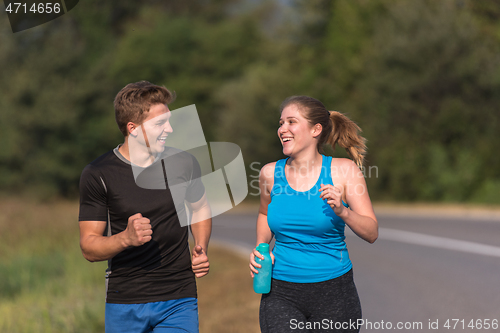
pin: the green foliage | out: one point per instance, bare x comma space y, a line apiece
488, 192
192, 57
420, 77
57, 95
430, 99
250, 113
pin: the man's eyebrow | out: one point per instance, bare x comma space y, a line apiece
162, 119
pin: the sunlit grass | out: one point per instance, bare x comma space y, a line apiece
47, 286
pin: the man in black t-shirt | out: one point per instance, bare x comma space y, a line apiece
151, 274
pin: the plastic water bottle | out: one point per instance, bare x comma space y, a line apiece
262, 280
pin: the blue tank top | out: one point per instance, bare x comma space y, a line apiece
309, 244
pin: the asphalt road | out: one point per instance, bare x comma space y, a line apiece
423, 274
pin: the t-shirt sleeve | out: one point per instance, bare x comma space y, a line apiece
93, 201
195, 189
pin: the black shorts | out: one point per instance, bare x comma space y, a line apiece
328, 306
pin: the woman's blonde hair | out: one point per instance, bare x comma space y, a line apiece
338, 129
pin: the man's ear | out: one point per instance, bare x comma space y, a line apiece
316, 130
132, 129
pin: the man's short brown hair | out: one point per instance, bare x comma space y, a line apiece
133, 102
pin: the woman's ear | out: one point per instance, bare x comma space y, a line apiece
316, 130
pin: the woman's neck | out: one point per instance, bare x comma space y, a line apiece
305, 161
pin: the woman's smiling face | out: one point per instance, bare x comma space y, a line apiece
295, 132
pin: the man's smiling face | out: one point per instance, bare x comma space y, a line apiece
155, 128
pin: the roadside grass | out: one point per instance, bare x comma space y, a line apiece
227, 302
47, 286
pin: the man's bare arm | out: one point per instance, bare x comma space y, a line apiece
96, 247
201, 228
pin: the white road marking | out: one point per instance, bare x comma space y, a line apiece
438, 242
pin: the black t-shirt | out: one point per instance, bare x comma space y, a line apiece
159, 270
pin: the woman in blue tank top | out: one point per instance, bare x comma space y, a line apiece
305, 202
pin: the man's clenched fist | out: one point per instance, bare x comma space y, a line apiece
200, 263
138, 230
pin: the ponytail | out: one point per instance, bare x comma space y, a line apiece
345, 133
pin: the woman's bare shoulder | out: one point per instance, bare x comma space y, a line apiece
267, 171
344, 168
343, 162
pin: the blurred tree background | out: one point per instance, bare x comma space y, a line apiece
421, 78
